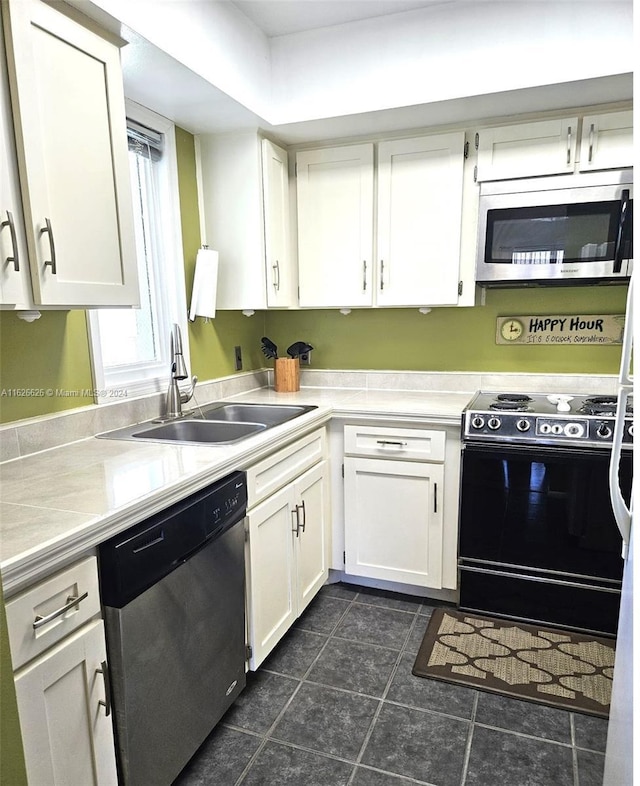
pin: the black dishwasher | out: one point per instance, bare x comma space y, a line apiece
173, 595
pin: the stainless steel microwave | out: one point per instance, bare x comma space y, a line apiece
560, 229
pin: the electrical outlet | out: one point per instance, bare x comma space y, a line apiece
238, 358
305, 359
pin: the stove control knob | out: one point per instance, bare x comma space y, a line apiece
523, 424
477, 421
630, 430
574, 430
556, 429
604, 431
494, 423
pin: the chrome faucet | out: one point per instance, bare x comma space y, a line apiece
175, 397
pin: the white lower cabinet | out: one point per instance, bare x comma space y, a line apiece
394, 502
59, 652
287, 549
67, 735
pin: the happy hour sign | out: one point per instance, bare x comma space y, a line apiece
561, 329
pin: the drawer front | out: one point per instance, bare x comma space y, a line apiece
47, 599
410, 444
266, 477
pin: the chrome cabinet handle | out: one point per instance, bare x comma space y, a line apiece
591, 130
569, 145
304, 516
296, 529
72, 600
435, 497
51, 262
104, 670
276, 276
397, 443
14, 242
364, 275
381, 274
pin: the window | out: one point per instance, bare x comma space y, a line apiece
131, 347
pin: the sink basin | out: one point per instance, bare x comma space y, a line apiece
200, 431
267, 414
216, 424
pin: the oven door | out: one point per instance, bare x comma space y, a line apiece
538, 538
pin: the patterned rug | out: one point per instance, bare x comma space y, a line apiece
564, 669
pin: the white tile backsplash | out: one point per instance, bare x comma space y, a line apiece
24, 437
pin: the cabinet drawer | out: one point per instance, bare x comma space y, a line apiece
45, 599
284, 466
410, 444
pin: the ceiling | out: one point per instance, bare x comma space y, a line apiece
281, 17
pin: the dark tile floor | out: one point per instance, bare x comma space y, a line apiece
336, 705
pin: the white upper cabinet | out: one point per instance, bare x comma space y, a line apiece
244, 187
414, 258
556, 147
68, 108
281, 277
335, 226
15, 284
607, 141
546, 147
419, 220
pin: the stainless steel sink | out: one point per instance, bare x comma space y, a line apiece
200, 431
215, 424
267, 414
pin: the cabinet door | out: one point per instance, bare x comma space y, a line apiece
419, 220
271, 603
312, 550
393, 520
547, 147
15, 285
607, 141
68, 106
67, 737
281, 278
335, 226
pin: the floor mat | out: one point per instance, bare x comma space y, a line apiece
569, 670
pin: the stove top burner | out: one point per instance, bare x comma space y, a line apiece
505, 405
599, 410
601, 400
545, 419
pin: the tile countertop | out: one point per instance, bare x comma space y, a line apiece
59, 503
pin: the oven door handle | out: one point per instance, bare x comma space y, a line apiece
621, 512
625, 206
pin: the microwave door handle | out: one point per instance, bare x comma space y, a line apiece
624, 209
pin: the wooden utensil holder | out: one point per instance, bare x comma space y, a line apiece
286, 372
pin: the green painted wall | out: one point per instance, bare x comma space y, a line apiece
46, 356
53, 353
451, 339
